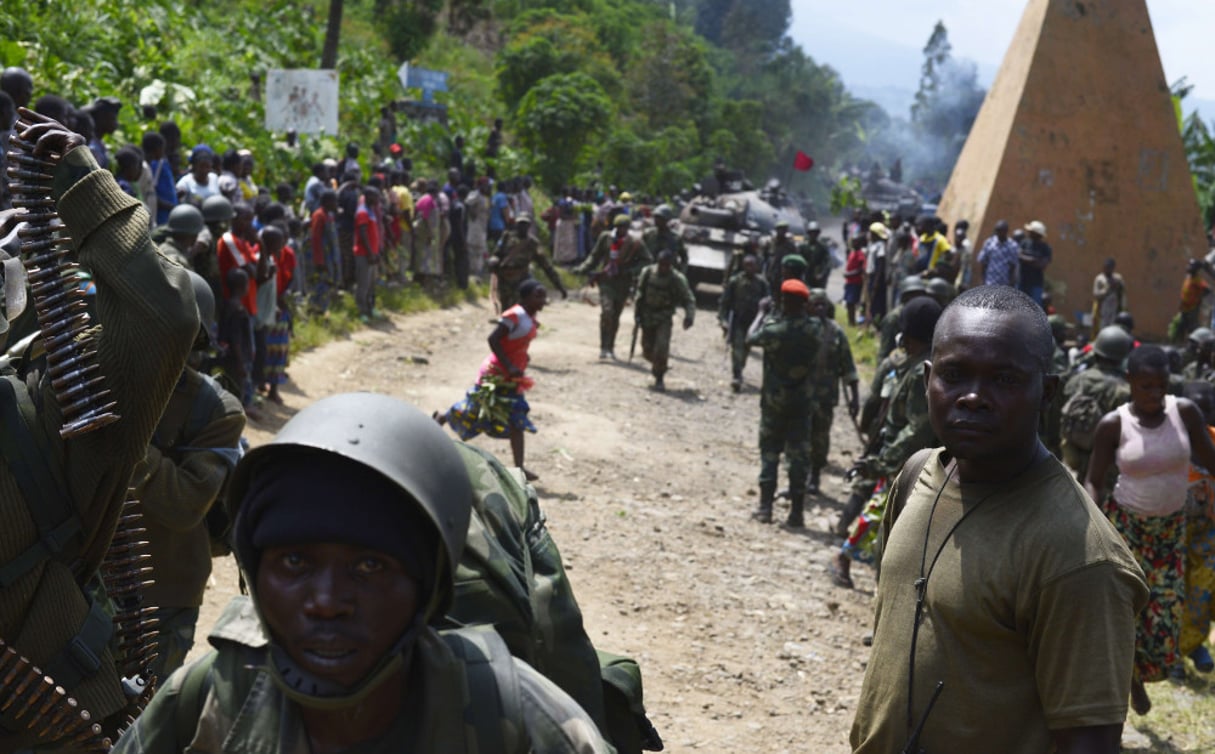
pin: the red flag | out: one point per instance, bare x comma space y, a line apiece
803, 161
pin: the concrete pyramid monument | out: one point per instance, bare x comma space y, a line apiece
1079, 131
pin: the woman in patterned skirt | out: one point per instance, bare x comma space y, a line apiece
1150, 440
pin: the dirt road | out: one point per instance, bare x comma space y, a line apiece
744, 643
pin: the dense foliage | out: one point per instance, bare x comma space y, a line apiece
646, 94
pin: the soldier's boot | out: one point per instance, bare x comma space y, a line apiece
659, 385
797, 504
767, 493
852, 509
812, 485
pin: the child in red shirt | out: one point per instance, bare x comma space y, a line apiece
854, 276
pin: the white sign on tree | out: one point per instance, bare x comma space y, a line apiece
303, 100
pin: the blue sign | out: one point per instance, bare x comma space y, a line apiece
425, 79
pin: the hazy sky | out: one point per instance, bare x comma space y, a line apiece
877, 43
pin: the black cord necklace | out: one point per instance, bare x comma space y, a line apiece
921, 583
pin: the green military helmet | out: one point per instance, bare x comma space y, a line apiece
1113, 343
186, 220
664, 211
393, 439
794, 261
819, 296
942, 290
621, 219
217, 209
524, 219
1201, 336
912, 284
782, 225
1058, 325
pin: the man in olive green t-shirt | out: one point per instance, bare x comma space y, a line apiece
1006, 603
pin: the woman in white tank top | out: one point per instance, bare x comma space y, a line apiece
1151, 441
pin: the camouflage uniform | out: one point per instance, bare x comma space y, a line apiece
511, 577
657, 297
738, 308
193, 450
615, 280
515, 256
790, 347
659, 239
834, 365
905, 428
780, 248
881, 387
450, 707
889, 331
148, 320
174, 252
1108, 384
1049, 426
818, 263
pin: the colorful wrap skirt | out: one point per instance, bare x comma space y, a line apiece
491, 407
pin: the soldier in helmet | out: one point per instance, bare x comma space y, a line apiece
739, 306
185, 223
782, 246
511, 263
192, 454
618, 259
912, 287
834, 365
661, 236
818, 257
217, 215
1200, 345
1092, 394
660, 290
942, 290
335, 648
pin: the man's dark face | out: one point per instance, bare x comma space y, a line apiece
664, 266
986, 386
661, 222
242, 222
622, 231
105, 121
200, 167
1002, 232
812, 235
782, 232
523, 229
335, 609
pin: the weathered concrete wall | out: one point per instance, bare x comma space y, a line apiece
1079, 131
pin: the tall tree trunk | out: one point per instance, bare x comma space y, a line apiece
332, 33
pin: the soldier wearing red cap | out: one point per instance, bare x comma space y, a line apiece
790, 344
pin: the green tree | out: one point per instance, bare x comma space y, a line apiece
557, 119
546, 43
671, 81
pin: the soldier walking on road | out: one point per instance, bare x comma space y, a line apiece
782, 246
790, 344
818, 257
619, 258
834, 365
662, 237
739, 307
662, 288
511, 264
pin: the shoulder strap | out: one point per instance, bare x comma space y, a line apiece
493, 685
906, 481
194, 689
36, 467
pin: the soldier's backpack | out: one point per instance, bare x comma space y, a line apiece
204, 400
1078, 420
511, 577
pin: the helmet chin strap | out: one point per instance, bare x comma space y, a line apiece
308, 690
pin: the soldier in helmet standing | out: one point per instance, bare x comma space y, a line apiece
834, 365
1093, 393
660, 290
184, 225
335, 647
818, 257
782, 246
910, 288
217, 215
511, 263
619, 258
739, 306
660, 237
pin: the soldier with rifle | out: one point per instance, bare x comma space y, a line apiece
511, 264
617, 259
660, 237
818, 257
738, 308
